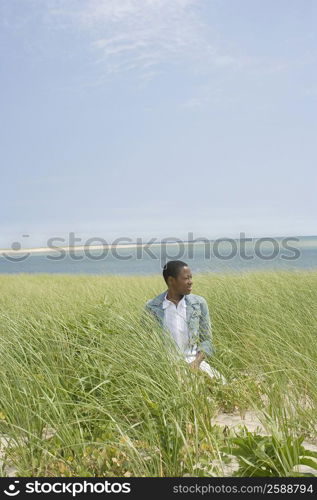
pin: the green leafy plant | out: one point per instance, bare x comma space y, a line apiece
269, 456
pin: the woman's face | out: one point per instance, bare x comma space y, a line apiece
184, 281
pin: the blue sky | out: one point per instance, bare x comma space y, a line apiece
153, 118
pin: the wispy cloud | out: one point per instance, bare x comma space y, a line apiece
140, 36
136, 34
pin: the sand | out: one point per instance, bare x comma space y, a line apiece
301, 243
80, 248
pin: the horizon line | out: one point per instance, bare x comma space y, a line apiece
138, 244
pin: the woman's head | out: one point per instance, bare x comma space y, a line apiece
178, 276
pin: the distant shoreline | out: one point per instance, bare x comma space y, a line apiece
304, 241
86, 247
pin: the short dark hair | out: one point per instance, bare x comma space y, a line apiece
172, 268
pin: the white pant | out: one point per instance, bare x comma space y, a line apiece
205, 367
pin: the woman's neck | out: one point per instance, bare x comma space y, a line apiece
174, 297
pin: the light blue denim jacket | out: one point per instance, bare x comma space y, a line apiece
198, 320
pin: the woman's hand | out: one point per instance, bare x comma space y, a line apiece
194, 365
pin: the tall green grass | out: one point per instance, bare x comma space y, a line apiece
74, 359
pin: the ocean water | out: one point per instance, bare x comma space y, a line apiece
224, 257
